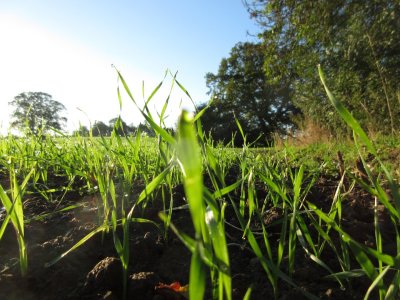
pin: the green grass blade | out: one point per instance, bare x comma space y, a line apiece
126, 87
186, 92
392, 291
240, 129
218, 239
201, 113
197, 276
7, 203
185, 239
361, 257
15, 213
356, 273
247, 296
191, 165
346, 115
119, 98
153, 184
162, 132
377, 282
226, 190
44, 216
4, 224
385, 258
154, 92
78, 244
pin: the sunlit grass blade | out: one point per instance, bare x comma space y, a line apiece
226, 190
188, 241
217, 233
46, 215
201, 113
362, 258
152, 186
185, 91
240, 130
315, 258
166, 102
360, 253
357, 129
385, 258
14, 209
154, 92
394, 287
164, 134
191, 164
293, 224
78, 244
272, 270
377, 282
197, 276
346, 115
119, 98
126, 87
247, 296
5, 221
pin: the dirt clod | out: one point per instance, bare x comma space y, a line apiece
106, 275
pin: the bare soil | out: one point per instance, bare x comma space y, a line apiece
93, 271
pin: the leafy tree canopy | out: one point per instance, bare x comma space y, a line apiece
120, 126
357, 44
99, 128
240, 90
36, 112
82, 131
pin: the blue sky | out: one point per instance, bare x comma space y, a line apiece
66, 48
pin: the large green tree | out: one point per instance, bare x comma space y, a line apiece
37, 111
120, 126
356, 42
99, 128
240, 90
82, 131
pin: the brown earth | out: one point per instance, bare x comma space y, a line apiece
93, 271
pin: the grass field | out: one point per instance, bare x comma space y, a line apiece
179, 216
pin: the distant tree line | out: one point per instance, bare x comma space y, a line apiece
272, 85
37, 113
116, 125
